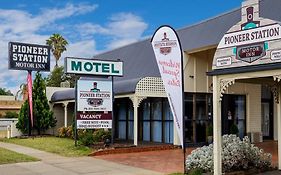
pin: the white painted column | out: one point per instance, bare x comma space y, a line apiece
65, 104
279, 127
136, 105
217, 127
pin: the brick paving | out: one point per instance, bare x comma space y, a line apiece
171, 161
166, 161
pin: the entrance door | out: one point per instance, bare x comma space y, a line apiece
234, 114
267, 118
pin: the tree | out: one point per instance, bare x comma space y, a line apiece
23, 120
57, 76
43, 117
22, 92
4, 91
58, 46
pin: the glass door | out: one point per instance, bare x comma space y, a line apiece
266, 116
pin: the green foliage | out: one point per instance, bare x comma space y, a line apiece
86, 137
210, 130
43, 116
58, 45
23, 121
61, 146
8, 157
234, 129
100, 135
196, 172
57, 76
4, 91
10, 114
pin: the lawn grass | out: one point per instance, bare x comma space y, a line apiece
61, 146
8, 156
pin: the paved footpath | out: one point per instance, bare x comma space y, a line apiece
52, 164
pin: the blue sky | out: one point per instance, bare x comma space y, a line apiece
92, 27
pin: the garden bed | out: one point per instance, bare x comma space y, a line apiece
127, 148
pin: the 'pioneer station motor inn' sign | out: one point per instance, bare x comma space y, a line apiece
93, 67
94, 104
30, 57
252, 41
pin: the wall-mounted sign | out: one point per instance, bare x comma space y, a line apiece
31, 57
93, 67
94, 120
94, 95
252, 41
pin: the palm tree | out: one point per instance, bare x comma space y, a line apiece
58, 46
22, 92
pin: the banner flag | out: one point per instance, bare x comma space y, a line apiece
168, 54
29, 89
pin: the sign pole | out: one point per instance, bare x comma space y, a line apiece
183, 120
113, 121
29, 90
75, 113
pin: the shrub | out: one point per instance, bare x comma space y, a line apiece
65, 132
236, 155
234, 129
69, 132
195, 172
100, 135
62, 131
10, 114
85, 137
210, 130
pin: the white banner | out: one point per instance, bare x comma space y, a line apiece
94, 95
168, 55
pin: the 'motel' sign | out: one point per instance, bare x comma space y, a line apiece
93, 67
30, 57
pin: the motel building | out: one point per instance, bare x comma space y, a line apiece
232, 73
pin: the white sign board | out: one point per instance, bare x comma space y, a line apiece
94, 95
93, 67
168, 55
253, 41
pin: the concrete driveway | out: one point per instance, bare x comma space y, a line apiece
52, 164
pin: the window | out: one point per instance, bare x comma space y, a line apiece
198, 116
125, 119
156, 121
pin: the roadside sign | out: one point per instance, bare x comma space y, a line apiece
93, 67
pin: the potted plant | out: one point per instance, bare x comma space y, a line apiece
210, 133
234, 129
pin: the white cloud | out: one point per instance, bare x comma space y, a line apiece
20, 26
122, 28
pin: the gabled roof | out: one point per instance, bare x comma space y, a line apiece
139, 60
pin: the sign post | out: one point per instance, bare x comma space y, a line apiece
93, 98
30, 57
